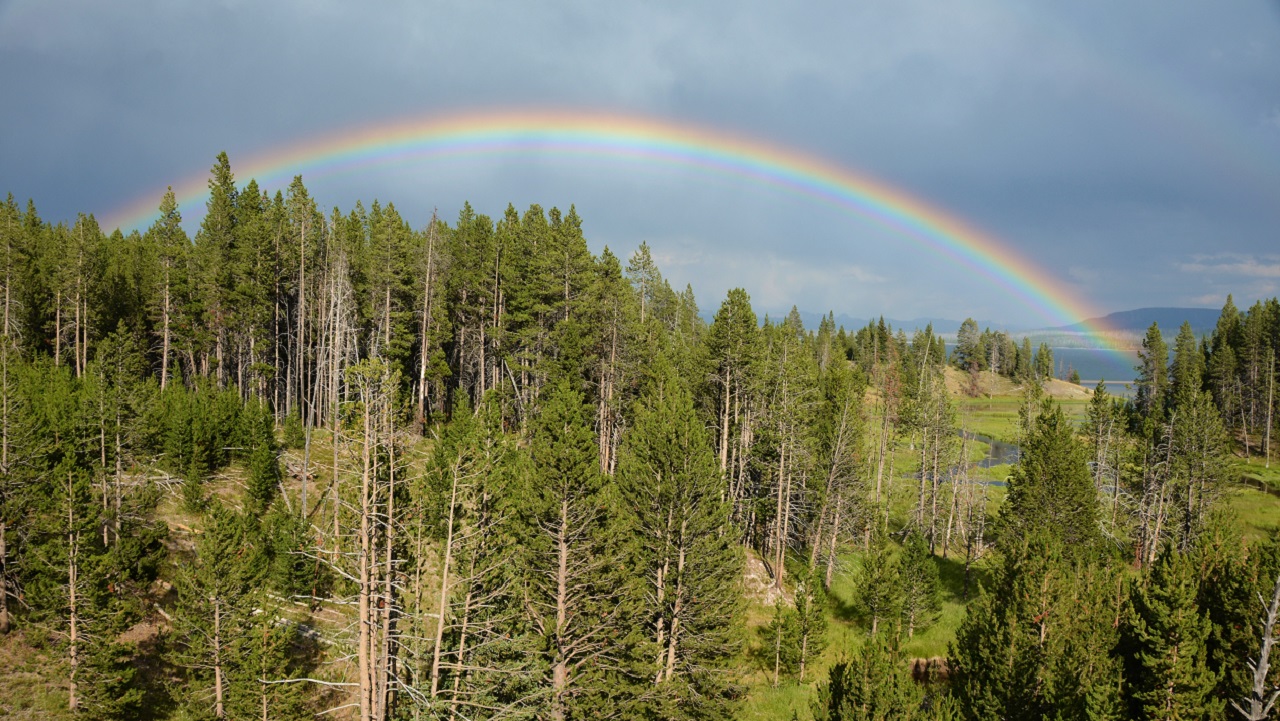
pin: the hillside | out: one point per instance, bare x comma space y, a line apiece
1138, 320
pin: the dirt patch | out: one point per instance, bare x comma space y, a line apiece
1063, 389
141, 633
961, 384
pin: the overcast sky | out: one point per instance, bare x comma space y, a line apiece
1131, 149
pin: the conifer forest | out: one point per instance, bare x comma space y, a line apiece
309, 464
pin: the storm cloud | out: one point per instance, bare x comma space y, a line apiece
1132, 150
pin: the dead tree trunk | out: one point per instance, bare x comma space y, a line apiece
1260, 701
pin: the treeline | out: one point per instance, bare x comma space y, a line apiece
523, 481
1236, 364
997, 352
569, 538
1122, 587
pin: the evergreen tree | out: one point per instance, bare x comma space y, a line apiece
1186, 372
879, 597
213, 259
1197, 452
874, 686
1023, 368
1043, 362
1167, 633
1038, 645
921, 592
968, 351
670, 485
570, 557
1050, 489
781, 640
811, 621
1232, 576
1151, 386
264, 465
273, 655
214, 609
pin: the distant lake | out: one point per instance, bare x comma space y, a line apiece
1116, 367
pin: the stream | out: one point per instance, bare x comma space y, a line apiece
1259, 485
999, 453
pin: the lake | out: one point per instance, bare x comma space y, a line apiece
1116, 367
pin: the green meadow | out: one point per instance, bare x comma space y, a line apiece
995, 417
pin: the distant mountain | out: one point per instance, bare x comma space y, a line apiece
941, 326
1203, 321
1128, 325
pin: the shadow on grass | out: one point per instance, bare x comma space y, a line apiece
951, 575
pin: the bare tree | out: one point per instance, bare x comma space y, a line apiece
1261, 701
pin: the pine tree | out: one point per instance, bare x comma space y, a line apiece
214, 608
875, 686
879, 597
968, 351
1106, 439
1232, 577
74, 585
1197, 451
1050, 489
811, 621
273, 657
1043, 362
669, 483
1153, 376
214, 247
1037, 645
1186, 372
1167, 634
264, 464
574, 601
781, 639
921, 592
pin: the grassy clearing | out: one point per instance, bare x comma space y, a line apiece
846, 632
30, 685
1256, 469
846, 628
1258, 511
997, 417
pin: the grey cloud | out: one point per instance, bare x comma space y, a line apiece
1091, 136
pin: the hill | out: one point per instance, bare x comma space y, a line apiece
1138, 320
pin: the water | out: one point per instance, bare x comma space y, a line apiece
1261, 486
1093, 365
1116, 367
999, 453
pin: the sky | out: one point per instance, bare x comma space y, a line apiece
1130, 151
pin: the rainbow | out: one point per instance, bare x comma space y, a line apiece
647, 139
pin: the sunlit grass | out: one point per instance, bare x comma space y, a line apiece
1256, 469
1259, 512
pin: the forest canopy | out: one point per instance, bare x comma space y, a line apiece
306, 463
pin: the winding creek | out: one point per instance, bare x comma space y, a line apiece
998, 452
1001, 453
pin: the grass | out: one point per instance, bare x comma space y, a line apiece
28, 689
1256, 469
846, 629
997, 417
846, 632
1259, 512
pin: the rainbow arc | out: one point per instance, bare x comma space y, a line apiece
504, 132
